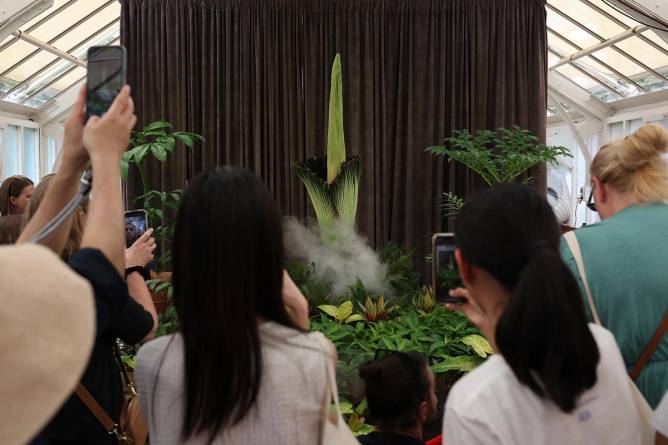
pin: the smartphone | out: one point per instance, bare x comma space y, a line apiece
444, 271
105, 78
136, 224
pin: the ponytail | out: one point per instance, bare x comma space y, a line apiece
543, 333
510, 232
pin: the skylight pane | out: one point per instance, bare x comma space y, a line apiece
613, 12
31, 66
41, 80
619, 62
590, 18
575, 34
644, 52
89, 27
65, 19
577, 77
13, 53
651, 35
560, 44
56, 4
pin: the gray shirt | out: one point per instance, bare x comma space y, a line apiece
289, 404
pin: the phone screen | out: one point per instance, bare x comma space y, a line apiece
445, 274
105, 78
135, 225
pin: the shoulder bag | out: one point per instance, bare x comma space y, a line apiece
333, 429
644, 410
131, 428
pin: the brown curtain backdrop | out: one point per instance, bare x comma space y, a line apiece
253, 77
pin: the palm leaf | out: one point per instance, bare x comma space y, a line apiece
336, 145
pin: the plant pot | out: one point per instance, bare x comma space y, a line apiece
160, 299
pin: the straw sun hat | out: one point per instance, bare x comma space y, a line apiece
47, 327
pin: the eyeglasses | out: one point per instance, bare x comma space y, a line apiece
590, 201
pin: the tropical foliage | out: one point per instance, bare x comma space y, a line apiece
499, 157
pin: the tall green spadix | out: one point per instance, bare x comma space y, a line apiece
336, 143
332, 182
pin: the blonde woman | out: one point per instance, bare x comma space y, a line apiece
625, 254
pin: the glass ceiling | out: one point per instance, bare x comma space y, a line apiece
34, 68
636, 64
49, 57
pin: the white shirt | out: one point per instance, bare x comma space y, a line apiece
660, 419
288, 407
490, 406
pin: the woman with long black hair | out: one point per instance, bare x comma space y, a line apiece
554, 379
241, 369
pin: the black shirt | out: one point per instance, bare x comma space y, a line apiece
377, 438
118, 316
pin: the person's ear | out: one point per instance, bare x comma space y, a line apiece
600, 191
465, 269
12, 200
423, 412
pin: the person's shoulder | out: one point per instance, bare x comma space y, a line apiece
604, 338
152, 352
486, 379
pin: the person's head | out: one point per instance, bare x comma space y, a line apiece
509, 260
227, 274
10, 228
73, 242
631, 171
15, 193
399, 391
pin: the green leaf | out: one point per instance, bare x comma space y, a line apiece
479, 344
354, 317
185, 138
362, 407
336, 146
389, 344
318, 191
463, 363
159, 151
346, 191
346, 407
330, 310
125, 168
157, 125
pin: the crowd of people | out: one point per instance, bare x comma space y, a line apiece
575, 321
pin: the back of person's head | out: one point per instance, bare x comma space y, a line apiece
227, 272
10, 228
73, 242
396, 387
510, 232
635, 165
12, 187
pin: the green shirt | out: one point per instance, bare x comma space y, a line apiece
626, 262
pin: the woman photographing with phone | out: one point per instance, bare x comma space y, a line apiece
554, 379
242, 369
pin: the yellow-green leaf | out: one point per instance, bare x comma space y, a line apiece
345, 310
330, 310
336, 145
460, 363
479, 344
354, 317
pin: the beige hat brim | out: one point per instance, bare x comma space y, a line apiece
47, 318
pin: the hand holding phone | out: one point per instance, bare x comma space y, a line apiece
445, 274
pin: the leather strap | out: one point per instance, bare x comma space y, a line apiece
95, 408
650, 348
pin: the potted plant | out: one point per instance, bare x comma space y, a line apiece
156, 141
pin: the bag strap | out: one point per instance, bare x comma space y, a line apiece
100, 414
650, 348
330, 376
574, 246
124, 372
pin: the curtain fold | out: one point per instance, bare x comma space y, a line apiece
253, 77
